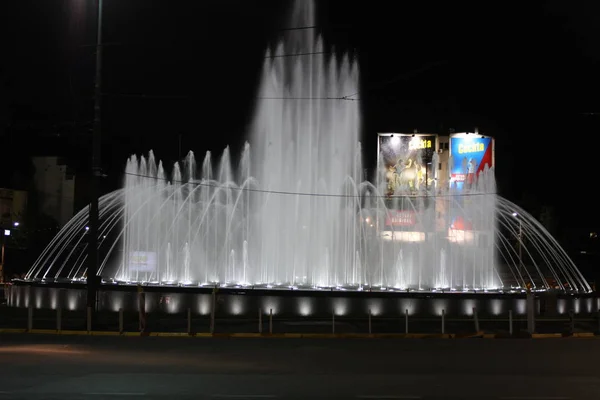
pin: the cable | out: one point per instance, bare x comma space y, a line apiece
299, 54
176, 97
298, 28
400, 76
309, 194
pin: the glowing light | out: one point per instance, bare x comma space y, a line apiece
270, 303
521, 306
204, 305
440, 305
375, 306
467, 306
305, 306
236, 306
496, 306
340, 306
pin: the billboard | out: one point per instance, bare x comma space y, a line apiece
395, 218
404, 161
142, 261
469, 153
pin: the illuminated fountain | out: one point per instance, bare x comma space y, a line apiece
293, 210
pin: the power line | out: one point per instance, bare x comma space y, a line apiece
246, 189
403, 75
299, 54
298, 28
307, 98
159, 96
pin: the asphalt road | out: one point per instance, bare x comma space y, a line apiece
80, 367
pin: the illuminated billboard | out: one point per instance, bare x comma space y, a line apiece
469, 153
142, 261
405, 161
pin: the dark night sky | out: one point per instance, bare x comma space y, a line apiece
524, 74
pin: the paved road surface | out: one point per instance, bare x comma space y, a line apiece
79, 367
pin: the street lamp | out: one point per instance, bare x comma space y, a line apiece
516, 215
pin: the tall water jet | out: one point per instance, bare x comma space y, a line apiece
304, 140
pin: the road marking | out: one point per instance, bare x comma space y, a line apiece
388, 396
245, 396
534, 398
115, 394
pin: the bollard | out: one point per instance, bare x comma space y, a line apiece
141, 309
120, 320
212, 310
89, 319
510, 323
530, 306
571, 321
333, 321
58, 318
270, 320
30, 318
443, 321
476, 319
406, 321
369, 322
259, 321
189, 321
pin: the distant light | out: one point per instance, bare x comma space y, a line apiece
16, 224
7, 232
515, 214
87, 228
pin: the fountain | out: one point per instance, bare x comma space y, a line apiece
294, 210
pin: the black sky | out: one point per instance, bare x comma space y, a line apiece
525, 74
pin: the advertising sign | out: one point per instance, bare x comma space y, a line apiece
405, 161
142, 261
400, 218
470, 154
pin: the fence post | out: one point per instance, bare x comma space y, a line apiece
120, 320
30, 317
270, 320
89, 319
212, 309
189, 321
406, 321
530, 306
369, 321
58, 318
443, 321
476, 319
571, 321
510, 322
333, 321
259, 320
141, 308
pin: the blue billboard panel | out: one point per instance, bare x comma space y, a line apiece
470, 154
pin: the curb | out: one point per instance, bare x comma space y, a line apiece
302, 335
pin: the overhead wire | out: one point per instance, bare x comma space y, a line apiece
282, 192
